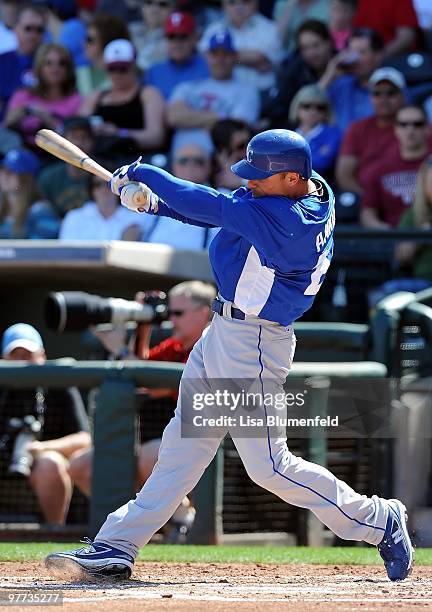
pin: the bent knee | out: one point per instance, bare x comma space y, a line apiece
49, 465
80, 465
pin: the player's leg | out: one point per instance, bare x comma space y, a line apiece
181, 462
179, 524
267, 353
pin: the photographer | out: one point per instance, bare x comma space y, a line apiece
62, 427
189, 310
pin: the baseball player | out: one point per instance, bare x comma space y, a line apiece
269, 260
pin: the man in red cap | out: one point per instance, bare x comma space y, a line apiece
183, 63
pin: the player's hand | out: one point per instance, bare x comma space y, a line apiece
138, 197
122, 176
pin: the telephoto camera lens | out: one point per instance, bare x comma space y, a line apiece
76, 310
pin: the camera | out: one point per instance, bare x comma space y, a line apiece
20, 430
23, 431
76, 310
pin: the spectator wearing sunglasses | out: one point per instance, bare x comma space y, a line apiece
148, 35
191, 161
183, 63
391, 186
16, 66
50, 101
189, 312
368, 140
101, 30
311, 116
130, 117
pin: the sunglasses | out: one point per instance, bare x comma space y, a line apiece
234, 2
62, 63
119, 69
159, 3
312, 105
34, 28
388, 93
417, 124
198, 161
177, 36
175, 313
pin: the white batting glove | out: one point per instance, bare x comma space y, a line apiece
121, 178
138, 197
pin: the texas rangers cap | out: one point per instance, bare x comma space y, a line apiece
23, 336
221, 40
180, 23
388, 73
120, 51
21, 161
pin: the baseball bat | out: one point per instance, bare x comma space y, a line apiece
64, 149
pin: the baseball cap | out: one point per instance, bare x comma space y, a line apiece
21, 161
119, 51
221, 40
387, 73
23, 336
180, 23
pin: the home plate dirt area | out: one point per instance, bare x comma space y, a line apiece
215, 587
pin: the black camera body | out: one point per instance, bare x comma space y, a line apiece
22, 432
77, 310
22, 418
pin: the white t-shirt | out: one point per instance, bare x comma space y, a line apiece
177, 235
8, 39
86, 223
258, 33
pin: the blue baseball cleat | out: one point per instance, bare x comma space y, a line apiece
97, 560
395, 548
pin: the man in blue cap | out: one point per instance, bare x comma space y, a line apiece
64, 425
269, 260
200, 104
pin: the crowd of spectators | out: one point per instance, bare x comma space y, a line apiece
185, 85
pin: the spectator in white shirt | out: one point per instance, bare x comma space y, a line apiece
256, 39
103, 218
191, 161
200, 104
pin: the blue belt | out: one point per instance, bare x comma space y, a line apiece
235, 313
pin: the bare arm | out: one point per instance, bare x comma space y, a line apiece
142, 341
153, 135
180, 115
88, 105
346, 171
14, 116
255, 59
285, 16
66, 445
402, 42
369, 218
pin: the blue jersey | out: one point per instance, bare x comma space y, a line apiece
272, 253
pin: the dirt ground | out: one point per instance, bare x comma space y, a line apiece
219, 587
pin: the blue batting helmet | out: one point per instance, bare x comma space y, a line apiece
275, 151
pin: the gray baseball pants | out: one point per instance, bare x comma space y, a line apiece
253, 349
